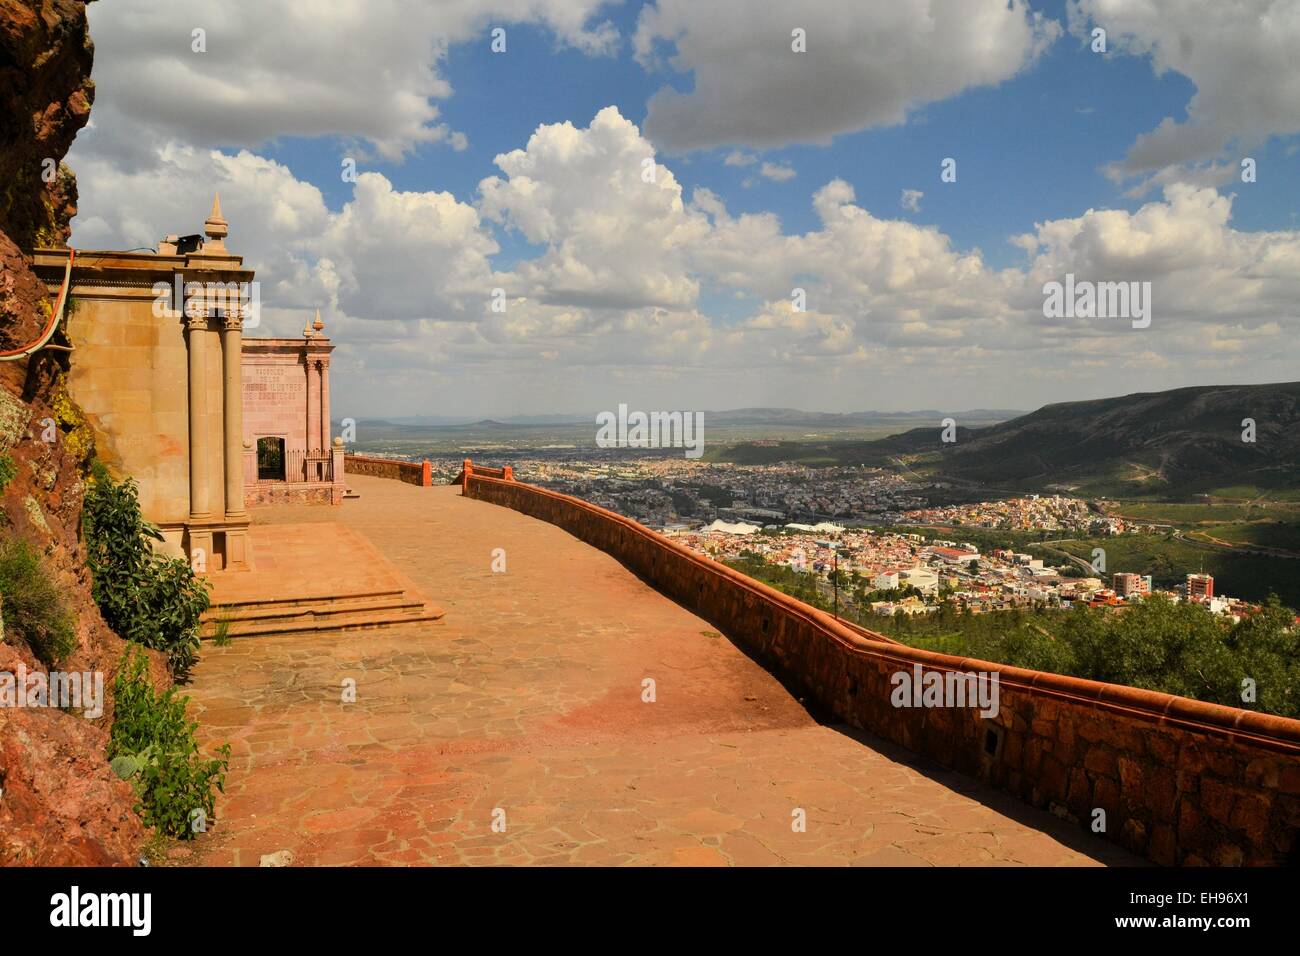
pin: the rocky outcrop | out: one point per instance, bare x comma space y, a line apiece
46, 93
59, 801
60, 804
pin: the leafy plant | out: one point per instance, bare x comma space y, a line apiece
146, 598
127, 766
8, 471
152, 745
32, 608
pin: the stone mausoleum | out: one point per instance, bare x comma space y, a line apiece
206, 421
288, 452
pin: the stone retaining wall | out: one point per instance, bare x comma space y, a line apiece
411, 472
1179, 781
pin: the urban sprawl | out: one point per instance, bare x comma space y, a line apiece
893, 550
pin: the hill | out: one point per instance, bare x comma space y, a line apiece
1181, 442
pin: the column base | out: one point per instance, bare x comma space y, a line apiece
239, 556
198, 550
218, 544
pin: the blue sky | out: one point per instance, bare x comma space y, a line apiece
1029, 149
1119, 165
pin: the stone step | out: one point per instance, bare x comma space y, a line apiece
332, 620
319, 612
240, 608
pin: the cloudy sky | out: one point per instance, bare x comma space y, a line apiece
646, 185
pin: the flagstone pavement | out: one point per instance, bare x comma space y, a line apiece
515, 729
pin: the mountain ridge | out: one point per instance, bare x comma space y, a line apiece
755, 415
1181, 441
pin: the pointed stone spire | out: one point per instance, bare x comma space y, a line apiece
216, 228
318, 324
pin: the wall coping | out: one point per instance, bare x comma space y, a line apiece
380, 458
1267, 730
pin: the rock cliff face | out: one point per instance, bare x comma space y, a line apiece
59, 801
46, 92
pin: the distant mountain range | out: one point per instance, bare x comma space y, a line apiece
1184, 441
735, 416
793, 416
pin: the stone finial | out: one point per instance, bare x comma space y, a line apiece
216, 228
318, 324
306, 331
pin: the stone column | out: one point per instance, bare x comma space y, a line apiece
324, 365
197, 323
312, 436
233, 418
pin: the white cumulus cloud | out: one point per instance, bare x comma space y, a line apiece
636, 290
367, 70
867, 63
1242, 57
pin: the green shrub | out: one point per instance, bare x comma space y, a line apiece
144, 597
1156, 644
33, 610
152, 745
8, 471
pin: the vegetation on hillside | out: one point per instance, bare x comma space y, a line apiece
1169, 560
8, 470
31, 608
1155, 644
152, 745
152, 600
1180, 442
797, 584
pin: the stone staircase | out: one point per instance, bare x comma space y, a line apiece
357, 611
313, 577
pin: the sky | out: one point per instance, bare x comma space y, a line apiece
520, 207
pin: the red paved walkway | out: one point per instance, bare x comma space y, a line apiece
527, 699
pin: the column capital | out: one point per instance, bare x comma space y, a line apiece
233, 321
196, 320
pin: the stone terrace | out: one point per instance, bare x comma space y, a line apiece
527, 697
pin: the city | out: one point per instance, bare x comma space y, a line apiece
827, 520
